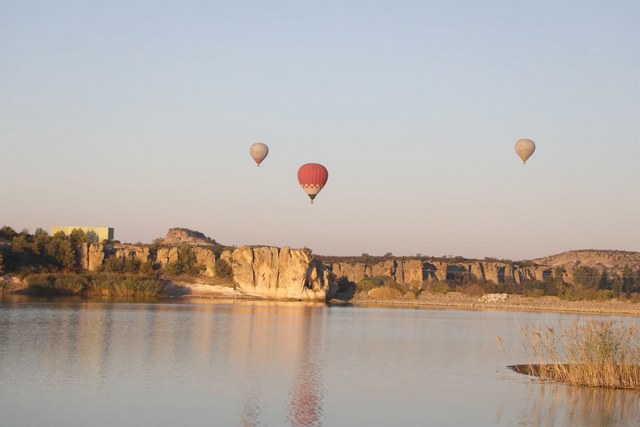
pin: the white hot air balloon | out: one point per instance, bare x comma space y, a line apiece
525, 148
259, 151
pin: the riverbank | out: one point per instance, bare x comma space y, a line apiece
455, 300
513, 302
177, 288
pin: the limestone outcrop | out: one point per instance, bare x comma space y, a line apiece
178, 236
280, 273
411, 272
268, 272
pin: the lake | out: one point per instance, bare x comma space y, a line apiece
72, 362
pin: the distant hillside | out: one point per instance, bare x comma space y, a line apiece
614, 261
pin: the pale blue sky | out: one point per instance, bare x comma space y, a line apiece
139, 115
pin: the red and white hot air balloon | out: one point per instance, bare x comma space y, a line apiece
259, 151
312, 177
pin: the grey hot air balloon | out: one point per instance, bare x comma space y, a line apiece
259, 151
525, 148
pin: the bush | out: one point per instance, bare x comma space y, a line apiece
385, 293
534, 293
56, 284
146, 267
437, 288
472, 290
113, 264
368, 283
186, 263
223, 269
131, 266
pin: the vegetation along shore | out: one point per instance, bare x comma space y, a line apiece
188, 263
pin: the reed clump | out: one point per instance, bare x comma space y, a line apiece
125, 285
589, 353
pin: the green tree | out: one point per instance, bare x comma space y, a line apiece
40, 240
59, 248
586, 277
223, 269
627, 280
7, 232
186, 263
21, 243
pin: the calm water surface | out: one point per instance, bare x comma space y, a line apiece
194, 363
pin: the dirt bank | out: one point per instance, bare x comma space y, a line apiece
505, 302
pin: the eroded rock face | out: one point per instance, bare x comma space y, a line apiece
95, 256
206, 258
131, 252
413, 272
280, 274
166, 256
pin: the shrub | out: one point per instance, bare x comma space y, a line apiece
223, 269
385, 293
534, 293
437, 287
369, 283
56, 284
472, 290
131, 266
186, 263
146, 267
113, 264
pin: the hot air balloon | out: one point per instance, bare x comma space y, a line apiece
258, 151
312, 177
525, 148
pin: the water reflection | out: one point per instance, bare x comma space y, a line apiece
551, 404
77, 363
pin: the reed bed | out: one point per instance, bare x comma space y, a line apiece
124, 285
590, 353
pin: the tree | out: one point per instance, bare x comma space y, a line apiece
627, 280
586, 277
40, 240
186, 263
59, 248
223, 269
7, 232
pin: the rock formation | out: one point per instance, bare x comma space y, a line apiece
280, 273
177, 236
412, 272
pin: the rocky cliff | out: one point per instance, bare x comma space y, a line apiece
269, 272
407, 272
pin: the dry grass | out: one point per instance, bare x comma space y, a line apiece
592, 353
385, 293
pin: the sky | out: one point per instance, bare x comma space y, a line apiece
139, 115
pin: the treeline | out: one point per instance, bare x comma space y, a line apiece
40, 252
37, 253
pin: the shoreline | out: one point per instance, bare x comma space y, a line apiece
512, 302
179, 289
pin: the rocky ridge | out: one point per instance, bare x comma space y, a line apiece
268, 272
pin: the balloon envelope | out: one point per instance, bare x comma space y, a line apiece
312, 177
259, 151
525, 148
